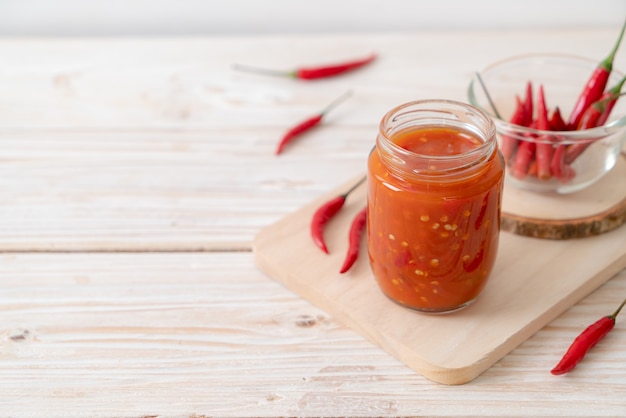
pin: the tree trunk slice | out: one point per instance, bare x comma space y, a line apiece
597, 209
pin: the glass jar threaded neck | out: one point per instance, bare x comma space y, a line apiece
426, 114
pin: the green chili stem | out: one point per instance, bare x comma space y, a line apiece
614, 315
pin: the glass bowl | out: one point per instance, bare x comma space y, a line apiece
578, 158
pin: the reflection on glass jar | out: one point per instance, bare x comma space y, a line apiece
435, 183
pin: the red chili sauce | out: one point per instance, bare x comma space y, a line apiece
432, 244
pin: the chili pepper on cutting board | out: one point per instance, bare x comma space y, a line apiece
325, 213
354, 239
585, 341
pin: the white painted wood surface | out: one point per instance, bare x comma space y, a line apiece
134, 175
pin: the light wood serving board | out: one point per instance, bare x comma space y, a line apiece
595, 210
534, 281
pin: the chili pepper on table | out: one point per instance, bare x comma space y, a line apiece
325, 213
356, 232
595, 85
307, 124
313, 73
585, 341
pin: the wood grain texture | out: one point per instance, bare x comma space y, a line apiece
592, 211
105, 335
156, 191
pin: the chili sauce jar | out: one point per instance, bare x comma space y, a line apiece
435, 181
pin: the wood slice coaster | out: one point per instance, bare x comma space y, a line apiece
597, 209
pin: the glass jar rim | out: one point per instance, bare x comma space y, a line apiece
394, 113
457, 114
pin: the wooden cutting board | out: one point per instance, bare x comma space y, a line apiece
534, 281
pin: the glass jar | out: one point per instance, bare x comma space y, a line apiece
435, 183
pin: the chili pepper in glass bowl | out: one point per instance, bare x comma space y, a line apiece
528, 104
325, 213
585, 341
596, 84
356, 232
595, 115
313, 73
598, 113
557, 166
307, 124
544, 146
508, 144
561, 77
556, 120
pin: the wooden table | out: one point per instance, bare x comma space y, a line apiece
134, 175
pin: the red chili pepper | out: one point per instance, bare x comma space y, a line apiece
532, 168
356, 232
528, 105
605, 104
508, 144
544, 147
307, 124
595, 85
596, 115
585, 341
591, 117
526, 148
524, 156
325, 213
313, 73
559, 169
556, 121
